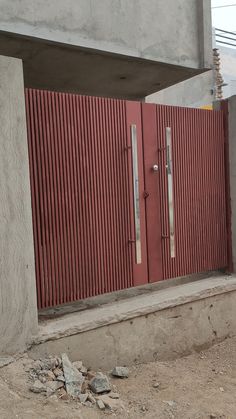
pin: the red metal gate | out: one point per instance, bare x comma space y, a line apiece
82, 216
101, 193
196, 170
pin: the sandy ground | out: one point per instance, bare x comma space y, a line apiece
197, 386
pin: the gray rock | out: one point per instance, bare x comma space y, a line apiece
6, 361
83, 397
73, 378
120, 372
100, 383
38, 387
88, 404
101, 405
156, 385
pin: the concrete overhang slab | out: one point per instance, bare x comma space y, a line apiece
62, 67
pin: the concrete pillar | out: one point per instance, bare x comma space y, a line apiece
18, 310
232, 172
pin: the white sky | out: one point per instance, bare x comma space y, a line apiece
224, 18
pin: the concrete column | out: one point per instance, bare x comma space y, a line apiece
18, 310
232, 171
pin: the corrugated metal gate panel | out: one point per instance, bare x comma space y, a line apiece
79, 175
199, 190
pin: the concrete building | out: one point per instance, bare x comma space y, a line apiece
115, 48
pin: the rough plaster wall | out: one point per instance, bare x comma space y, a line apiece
232, 167
18, 314
194, 92
152, 29
164, 335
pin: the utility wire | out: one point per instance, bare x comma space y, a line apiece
226, 5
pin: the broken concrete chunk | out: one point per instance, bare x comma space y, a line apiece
6, 361
121, 372
38, 387
112, 404
100, 383
73, 378
101, 405
54, 385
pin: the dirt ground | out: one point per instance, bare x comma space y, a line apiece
193, 387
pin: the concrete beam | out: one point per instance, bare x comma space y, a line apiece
162, 325
18, 315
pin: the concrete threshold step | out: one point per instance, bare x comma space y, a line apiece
133, 307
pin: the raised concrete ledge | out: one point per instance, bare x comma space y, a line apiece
134, 307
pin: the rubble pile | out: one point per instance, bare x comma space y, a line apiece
66, 380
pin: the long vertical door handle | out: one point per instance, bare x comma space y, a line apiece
137, 223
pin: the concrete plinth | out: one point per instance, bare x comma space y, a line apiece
162, 325
18, 309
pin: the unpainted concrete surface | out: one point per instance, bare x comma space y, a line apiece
18, 312
194, 92
175, 32
176, 322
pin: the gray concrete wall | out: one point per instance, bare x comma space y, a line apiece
232, 168
166, 334
18, 313
195, 92
176, 32
160, 325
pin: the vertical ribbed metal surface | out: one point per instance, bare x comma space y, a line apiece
199, 190
80, 195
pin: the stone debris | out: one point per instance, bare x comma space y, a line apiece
60, 379
38, 387
100, 383
120, 372
73, 378
101, 405
111, 404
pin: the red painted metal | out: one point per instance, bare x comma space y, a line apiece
81, 173
80, 195
199, 190
152, 187
224, 108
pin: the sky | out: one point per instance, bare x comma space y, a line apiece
224, 18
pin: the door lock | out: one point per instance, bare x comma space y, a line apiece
155, 168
